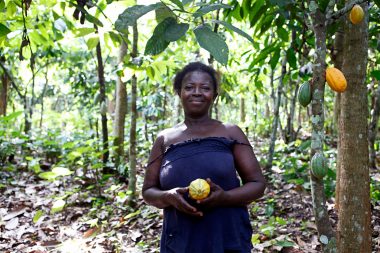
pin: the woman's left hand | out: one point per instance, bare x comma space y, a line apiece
216, 197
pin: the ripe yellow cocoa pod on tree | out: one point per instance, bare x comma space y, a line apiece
335, 79
356, 14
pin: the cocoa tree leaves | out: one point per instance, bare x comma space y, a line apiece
4, 30
165, 32
212, 42
234, 28
132, 14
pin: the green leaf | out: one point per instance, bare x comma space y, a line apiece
175, 31
178, 3
235, 29
291, 58
4, 30
163, 12
58, 206
323, 4
377, 2
210, 7
213, 43
130, 16
131, 215
283, 34
262, 55
93, 20
61, 171
256, 7
80, 32
274, 60
115, 37
11, 9
155, 45
165, 32
37, 216
284, 243
48, 175
376, 74
92, 42
10, 116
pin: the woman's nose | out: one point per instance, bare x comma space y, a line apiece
197, 91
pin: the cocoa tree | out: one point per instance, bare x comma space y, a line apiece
354, 232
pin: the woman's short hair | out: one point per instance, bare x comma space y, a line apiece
195, 66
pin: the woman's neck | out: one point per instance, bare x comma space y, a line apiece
190, 121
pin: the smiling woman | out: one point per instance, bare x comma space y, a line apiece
202, 147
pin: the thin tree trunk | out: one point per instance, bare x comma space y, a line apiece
102, 91
354, 223
276, 116
43, 95
4, 94
242, 109
317, 119
120, 110
372, 131
132, 137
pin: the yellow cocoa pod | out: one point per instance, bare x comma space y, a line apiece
356, 14
335, 79
199, 189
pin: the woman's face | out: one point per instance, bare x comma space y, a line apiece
197, 93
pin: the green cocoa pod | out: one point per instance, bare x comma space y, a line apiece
319, 165
304, 94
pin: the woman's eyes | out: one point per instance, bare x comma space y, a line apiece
206, 88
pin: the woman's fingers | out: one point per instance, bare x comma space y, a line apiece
183, 205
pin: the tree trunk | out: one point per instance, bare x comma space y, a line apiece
102, 91
120, 110
354, 232
4, 94
43, 94
242, 109
276, 116
372, 131
317, 137
132, 133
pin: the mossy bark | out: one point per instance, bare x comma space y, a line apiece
325, 231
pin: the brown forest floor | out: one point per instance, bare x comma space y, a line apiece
121, 229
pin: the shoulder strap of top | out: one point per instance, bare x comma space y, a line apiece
155, 159
242, 143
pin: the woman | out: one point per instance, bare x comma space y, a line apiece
202, 147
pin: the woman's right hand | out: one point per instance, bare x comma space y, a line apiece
175, 197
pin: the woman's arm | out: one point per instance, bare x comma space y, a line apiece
151, 191
248, 168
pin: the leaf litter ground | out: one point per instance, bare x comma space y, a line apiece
282, 220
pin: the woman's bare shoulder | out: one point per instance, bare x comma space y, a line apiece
234, 132
170, 135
